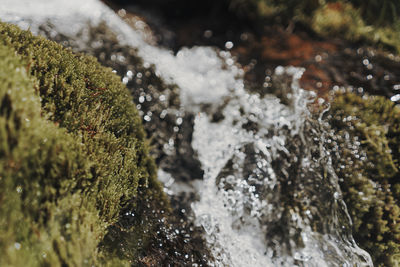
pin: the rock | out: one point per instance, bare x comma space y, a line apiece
73, 157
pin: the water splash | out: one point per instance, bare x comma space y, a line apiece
260, 180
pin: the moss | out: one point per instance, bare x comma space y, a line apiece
162, 245
73, 155
374, 22
339, 20
345, 21
368, 132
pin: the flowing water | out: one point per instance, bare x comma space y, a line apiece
255, 172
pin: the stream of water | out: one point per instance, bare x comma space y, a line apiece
265, 192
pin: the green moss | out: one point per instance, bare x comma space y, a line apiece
73, 155
345, 21
265, 9
339, 20
368, 132
375, 22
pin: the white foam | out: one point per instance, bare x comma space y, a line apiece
219, 210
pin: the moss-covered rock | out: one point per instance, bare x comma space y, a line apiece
337, 19
341, 19
73, 156
376, 22
368, 154
173, 237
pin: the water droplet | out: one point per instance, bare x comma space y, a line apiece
122, 12
229, 45
395, 98
163, 114
336, 195
129, 74
19, 189
208, 34
229, 61
171, 142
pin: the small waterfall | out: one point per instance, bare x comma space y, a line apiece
269, 195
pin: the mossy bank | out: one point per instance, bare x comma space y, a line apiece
367, 162
73, 157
